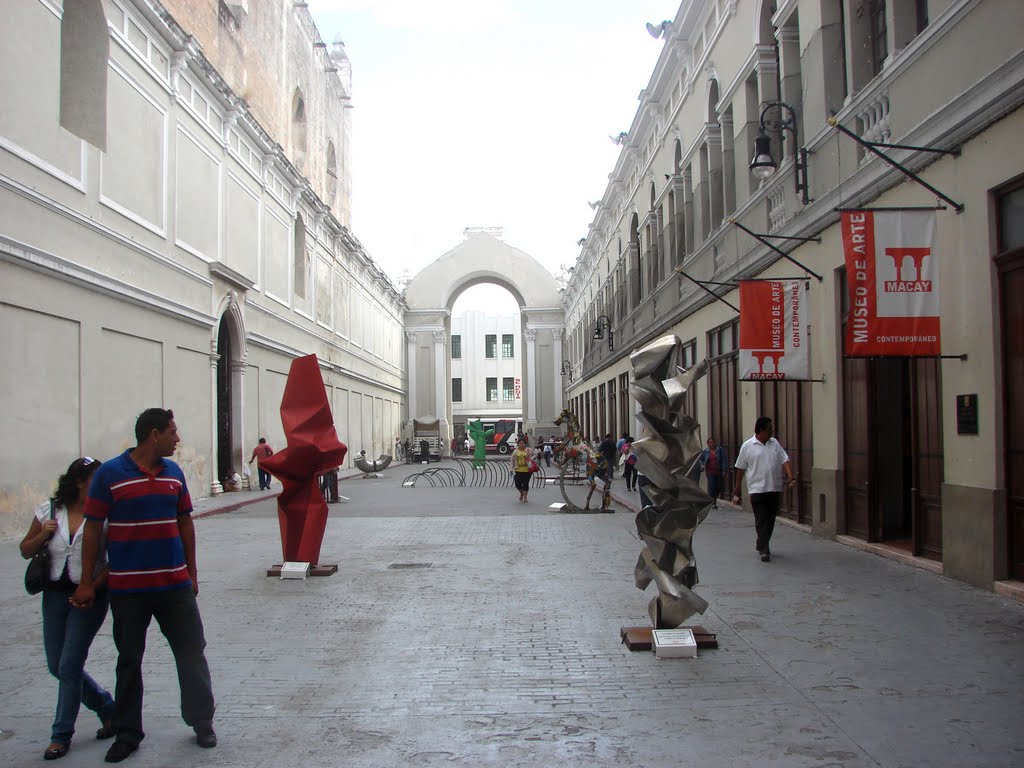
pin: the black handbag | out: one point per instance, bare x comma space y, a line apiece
37, 575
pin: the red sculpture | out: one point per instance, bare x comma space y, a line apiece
313, 448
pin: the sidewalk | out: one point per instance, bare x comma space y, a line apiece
505, 650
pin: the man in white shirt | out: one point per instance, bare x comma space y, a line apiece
764, 463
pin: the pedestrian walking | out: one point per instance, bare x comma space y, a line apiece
151, 551
766, 466
713, 463
69, 631
259, 453
548, 453
628, 463
520, 468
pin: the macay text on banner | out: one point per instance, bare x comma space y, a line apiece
893, 276
773, 330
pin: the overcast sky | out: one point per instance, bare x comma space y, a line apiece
487, 113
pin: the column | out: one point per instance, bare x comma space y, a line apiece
558, 391
238, 414
410, 369
440, 376
768, 88
789, 72
687, 243
215, 487
728, 162
716, 198
702, 195
531, 376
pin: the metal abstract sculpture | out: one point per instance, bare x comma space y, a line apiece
570, 453
480, 438
313, 448
371, 468
665, 454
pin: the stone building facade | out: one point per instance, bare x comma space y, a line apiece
881, 461
487, 368
174, 208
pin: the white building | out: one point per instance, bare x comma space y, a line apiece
174, 207
487, 368
885, 459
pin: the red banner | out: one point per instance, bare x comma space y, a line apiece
893, 278
773, 330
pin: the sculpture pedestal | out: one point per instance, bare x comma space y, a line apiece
314, 570
642, 639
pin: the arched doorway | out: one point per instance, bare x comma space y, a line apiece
430, 296
228, 395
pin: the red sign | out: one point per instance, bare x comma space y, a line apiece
892, 272
519, 388
773, 330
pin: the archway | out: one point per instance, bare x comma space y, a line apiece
229, 370
430, 297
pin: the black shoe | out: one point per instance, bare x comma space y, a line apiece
206, 738
106, 732
766, 557
56, 751
119, 750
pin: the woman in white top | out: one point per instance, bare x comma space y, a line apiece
68, 631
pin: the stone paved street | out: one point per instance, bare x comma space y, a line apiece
505, 651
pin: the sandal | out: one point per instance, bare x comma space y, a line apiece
106, 732
56, 751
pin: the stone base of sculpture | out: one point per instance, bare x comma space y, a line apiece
320, 569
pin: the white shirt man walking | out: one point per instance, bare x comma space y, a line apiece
764, 463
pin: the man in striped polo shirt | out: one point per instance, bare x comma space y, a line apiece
151, 549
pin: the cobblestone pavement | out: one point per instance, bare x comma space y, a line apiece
506, 652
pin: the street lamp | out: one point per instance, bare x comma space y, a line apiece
599, 331
567, 369
763, 166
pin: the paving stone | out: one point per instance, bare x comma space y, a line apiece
506, 651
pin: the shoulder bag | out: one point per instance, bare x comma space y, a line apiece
37, 575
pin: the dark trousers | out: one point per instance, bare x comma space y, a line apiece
629, 475
264, 478
177, 614
766, 507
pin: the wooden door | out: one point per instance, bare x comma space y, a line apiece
1012, 289
857, 460
928, 468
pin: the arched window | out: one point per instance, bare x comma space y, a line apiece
332, 174
299, 287
84, 51
298, 129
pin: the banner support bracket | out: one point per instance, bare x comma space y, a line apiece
704, 288
763, 240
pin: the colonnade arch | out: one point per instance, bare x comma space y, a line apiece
430, 296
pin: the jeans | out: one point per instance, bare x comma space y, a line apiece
67, 635
177, 614
714, 486
766, 507
264, 478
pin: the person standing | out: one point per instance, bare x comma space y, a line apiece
763, 462
398, 449
713, 462
261, 452
151, 551
610, 455
520, 468
548, 453
68, 631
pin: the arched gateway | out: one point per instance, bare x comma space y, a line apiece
430, 296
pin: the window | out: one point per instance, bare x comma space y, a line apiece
298, 129
921, 14
332, 173
456, 390
507, 348
491, 349
508, 388
299, 277
879, 32
492, 389
456, 347
84, 59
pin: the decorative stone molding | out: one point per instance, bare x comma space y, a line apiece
530, 335
410, 337
440, 337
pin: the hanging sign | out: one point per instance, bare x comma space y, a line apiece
893, 276
773, 330
518, 389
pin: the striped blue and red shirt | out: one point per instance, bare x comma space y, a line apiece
144, 548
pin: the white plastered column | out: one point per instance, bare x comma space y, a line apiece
215, 487
440, 370
556, 350
410, 367
531, 376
